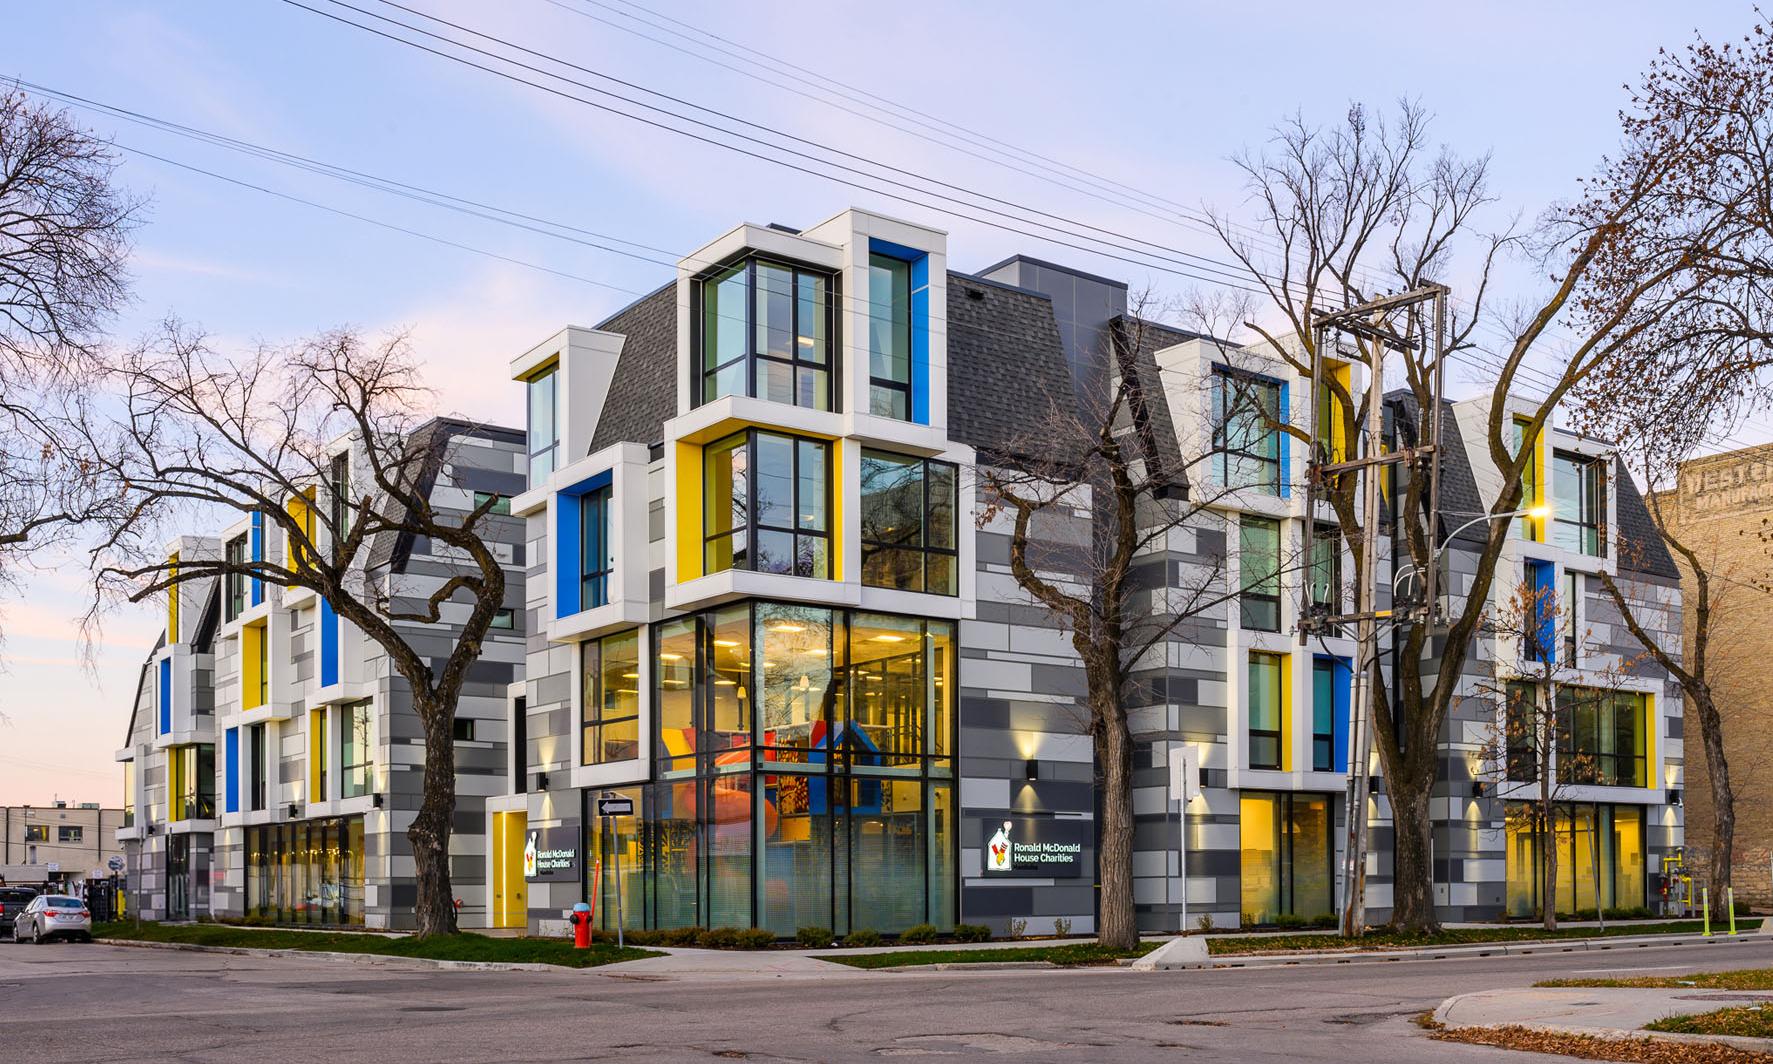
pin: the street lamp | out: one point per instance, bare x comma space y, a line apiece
1537, 513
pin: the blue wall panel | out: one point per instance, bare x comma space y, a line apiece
231, 768
329, 644
165, 695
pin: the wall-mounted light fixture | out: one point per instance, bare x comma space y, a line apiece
294, 811
1674, 796
1477, 788
1375, 785
1031, 769
376, 799
541, 781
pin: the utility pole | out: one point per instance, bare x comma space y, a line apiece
1371, 326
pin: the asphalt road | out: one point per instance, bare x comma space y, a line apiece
65, 1003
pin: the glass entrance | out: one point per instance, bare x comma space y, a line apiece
178, 877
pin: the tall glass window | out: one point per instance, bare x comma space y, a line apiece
1286, 856
356, 755
766, 331
1326, 569
544, 424
129, 794
258, 766
1246, 413
595, 561
234, 582
339, 488
909, 508
308, 872
1264, 697
1602, 736
610, 698
1579, 503
192, 781
1601, 857
1324, 681
766, 504
1258, 596
1525, 439
889, 337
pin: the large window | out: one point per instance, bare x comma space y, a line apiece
306, 872
1325, 575
339, 488
544, 424
1329, 699
1579, 504
806, 771
889, 337
766, 331
1602, 736
1246, 431
767, 504
1525, 439
1601, 857
1264, 695
356, 759
1287, 856
258, 767
1258, 597
595, 560
909, 509
610, 699
234, 582
129, 794
191, 781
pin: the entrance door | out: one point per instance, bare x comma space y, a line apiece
178, 877
510, 900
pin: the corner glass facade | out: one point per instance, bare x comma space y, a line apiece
765, 331
306, 872
804, 775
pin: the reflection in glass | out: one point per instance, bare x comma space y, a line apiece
675, 691
794, 670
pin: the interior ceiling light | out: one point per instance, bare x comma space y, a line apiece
785, 626
726, 642
889, 639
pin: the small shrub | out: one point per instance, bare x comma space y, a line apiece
719, 938
920, 933
1325, 920
680, 936
756, 938
1017, 927
1204, 923
1061, 926
972, 933
814, 937
862, 936
1289, 921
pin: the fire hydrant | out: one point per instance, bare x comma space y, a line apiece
581, 921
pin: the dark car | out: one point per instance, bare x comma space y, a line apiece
12, 902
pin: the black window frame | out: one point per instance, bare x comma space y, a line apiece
924, 549
1323, 744
705, 374
1253, 606
501, 504
234, 556
906, 386
1252, 732
258, 767
594, 514
65, 833
338, 486
462, 729
1591, 496
364, 766
591, 698
752, 526
1225, 401
551, 374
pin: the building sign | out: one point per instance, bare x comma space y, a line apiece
1035, 846
551, 855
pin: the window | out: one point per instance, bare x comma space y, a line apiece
129, 794
258, 766
501, 504
889, 337
1590, 838
1539, 611
234, 583
1602, 737
36, 832
766, 332
300, 540
908, 523
1258, 597
462, 729
1569, 603
504, 619
356, 761
766, 500
255, 665
1265, 710
1579, 505
1531, 489
519, 745
1287, 856
595, 562
544, 424
1329, 699
66, 833
191, 781
1520, 726
610, 698
1246, 435
1326, 569
339, 487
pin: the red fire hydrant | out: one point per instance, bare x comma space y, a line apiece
581, 921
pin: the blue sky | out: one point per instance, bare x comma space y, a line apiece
1156, 95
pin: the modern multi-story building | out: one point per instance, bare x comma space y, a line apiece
274, 759
770, 609
767, 613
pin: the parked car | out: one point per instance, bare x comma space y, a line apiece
12, 902
53, 916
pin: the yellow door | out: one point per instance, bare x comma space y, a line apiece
510, 901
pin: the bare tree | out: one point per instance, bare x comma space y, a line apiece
209, 437
1102, 457
1348, 212
64, 241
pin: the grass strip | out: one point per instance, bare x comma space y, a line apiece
466, 946
1460, 936
1747, 1021
1744, 979
1585, 1047
1074, 955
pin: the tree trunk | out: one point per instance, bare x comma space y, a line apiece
1117, 926
1723, 805
430, 831
1412, 861
1548, 846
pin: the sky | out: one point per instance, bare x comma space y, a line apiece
1156, 96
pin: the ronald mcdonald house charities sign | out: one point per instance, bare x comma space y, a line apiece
1041, 847
551, 855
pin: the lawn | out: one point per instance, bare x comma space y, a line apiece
1072, 955
1744, 979
462, 947
1464, 936
1749, 1021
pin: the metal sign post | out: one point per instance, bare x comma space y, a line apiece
610, 806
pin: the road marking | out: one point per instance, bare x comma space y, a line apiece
1614, 971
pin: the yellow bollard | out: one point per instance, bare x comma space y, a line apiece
1730, 897
1705, 910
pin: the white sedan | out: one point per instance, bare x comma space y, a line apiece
53, 916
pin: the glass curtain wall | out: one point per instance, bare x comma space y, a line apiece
766, 331
1600, 851
766, 504
1287, 855
307, 872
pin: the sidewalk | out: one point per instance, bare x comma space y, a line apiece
1599, 1012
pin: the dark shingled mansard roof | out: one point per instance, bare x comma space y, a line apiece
643, 392
391, 550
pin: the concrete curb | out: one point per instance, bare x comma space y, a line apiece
1491, 949
963, 966
1185, 952
363, 959
1613, 1034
